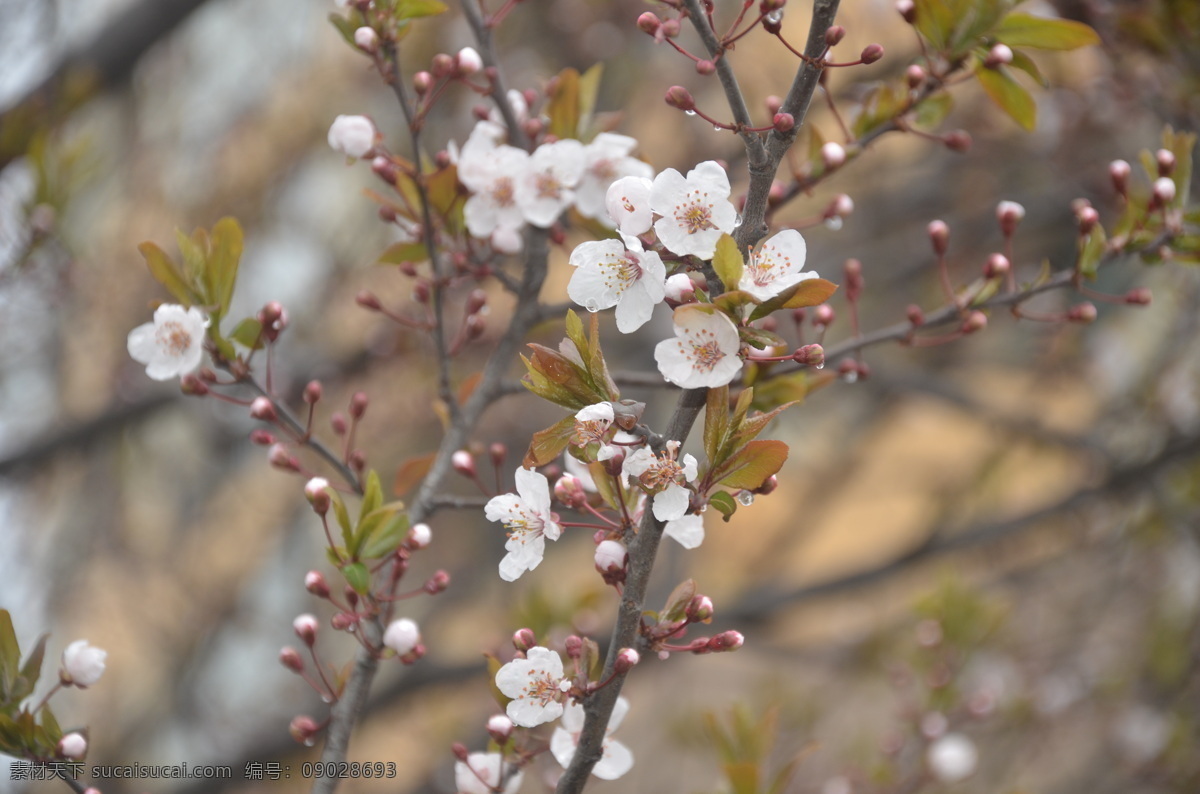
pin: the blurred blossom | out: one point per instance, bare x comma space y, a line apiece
616, 760
952, 758
481, 772
172, 344
1141, 733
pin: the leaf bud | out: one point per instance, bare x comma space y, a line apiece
810, 356
834, 35
314, 582
419, 536
627, 659
1139, 296
305, 627
367, 39
437, 583
680, 97
1166, 161
303, 729
957, 141
939, 236
705, 67
872, 53
783, 122
1082, 313
997, 266
726, 641
907, 9
1118, 171
915, 76
421, 292
500, 728
975, 321
358, 404
289, 657
524, 639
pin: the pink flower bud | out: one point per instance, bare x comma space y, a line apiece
402, 636
610, 560
353, 136
810, 356
1164, 190
312, 392
500, 728
670, 28
1139, 296
700, 609
680, 97
997, 265
1009, 214
437, 583
289, 657
573, 645
929, 633
975, 321
705, 67
680, 288
524, 639
569, 491
907, 9
82, 664
833, 155
192, 386
726, 641
279, 457
872, 53
262, 438
1166, 161
316, 491
303, 729
774, 103
915, 76
1082, 313
314, 582
1119, 171
367, 39
834, 35
419, 536
72, 745
422, 82
823, 315
939, 236
769, 485
915, 315
627, 659
263, 409
999, 55
649, 23
305, 627
337, 423
342, 621
957, 141
463, 463
842, 206
442, 65
468, 61
1088, 218
358, 405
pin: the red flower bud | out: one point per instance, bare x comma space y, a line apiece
680, 97
290, 658
872, 53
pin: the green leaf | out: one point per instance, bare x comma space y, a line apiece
1025, 64
31, 671
935, 19
728, 262
1091, 250
342, 516
10, 655
724, 503
574, 329
1040, 33
563, 107
605, 387
401, 253
933, 110
760, 339
415, 9
50, 724
358, 577
372, 494
195, 261
1008, 95
223, 262
165, 272
678, 600
589, 89
716, 422
386, 535
548, 444
810, 292
248, 334
751, 465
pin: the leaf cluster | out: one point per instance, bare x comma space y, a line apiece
377, 532
22, 733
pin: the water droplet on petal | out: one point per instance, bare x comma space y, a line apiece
775, 17
690, 112
746, 498
592, 306
834, 223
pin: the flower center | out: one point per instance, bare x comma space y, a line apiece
173, 339
604, 170
523, 524
766, 266
661, 474
548, 186
695, 216
542, 687
589, 431
502, 191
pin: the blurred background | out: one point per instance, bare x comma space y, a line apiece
996, 538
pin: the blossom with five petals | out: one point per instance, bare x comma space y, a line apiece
775, 266
592, 423
536, 685
704, 351
491, 171
695, 209
527, 517
616, 760
547, 186
172, 344
608, 274
664, 477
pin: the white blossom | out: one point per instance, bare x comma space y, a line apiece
605, 160
775, 266
951, 758
172, 345
627, 202
491, 170
695, 209
402, 636
481, 772
468, 60
353, 136
547, 186
527, 517
82, 664
610, 554
520, 109
664, 477
616, 760
592, 422
679, 287
536, 685
607, 274
687, 531
704, 351
73, 745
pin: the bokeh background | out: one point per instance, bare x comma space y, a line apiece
1002, 531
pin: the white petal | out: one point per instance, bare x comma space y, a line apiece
636, 463
572, 718
687, 531
562, 746
602, 412
534, 488
690, 468
525, 552
629, 205
620, 709
616, 761
505, 507
671, 503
